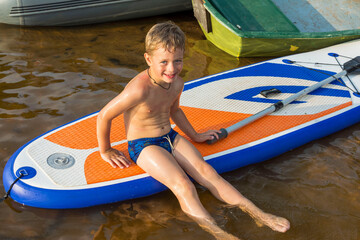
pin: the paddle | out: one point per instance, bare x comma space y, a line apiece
349, 67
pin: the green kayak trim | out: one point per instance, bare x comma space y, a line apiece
257, 28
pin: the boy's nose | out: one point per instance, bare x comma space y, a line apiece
170, 67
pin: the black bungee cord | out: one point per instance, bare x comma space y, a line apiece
11, 186
299, 63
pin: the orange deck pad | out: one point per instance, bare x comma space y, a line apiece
82, 135
97, 170
203, 120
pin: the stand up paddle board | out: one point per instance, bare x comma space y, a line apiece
63, 168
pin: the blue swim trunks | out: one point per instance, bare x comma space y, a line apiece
136, 146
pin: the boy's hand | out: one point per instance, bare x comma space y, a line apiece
115, 158
209, 135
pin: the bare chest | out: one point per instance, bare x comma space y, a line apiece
159, 101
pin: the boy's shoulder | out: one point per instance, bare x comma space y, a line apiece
140, 80
139, 84
179, 83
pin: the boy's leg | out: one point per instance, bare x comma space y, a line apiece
192, 162
162, 166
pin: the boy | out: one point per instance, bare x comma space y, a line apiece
147, 104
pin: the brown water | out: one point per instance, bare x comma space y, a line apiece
50, 76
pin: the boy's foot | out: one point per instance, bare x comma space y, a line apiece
276, 223
210, 226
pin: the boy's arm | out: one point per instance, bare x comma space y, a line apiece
114, 108
180, 119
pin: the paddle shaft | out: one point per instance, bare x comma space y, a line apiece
275, 107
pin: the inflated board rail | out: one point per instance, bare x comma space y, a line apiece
63, 168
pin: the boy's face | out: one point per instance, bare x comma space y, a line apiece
165, 65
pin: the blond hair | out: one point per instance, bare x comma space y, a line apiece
167, 35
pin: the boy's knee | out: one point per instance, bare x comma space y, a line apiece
182, 186
207, 171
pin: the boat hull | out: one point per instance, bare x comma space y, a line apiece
66, 13
241, 43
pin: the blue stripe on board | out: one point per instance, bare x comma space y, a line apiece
250, 93
268, 70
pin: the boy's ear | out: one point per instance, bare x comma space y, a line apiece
147, 59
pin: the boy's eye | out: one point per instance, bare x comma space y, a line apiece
164, 62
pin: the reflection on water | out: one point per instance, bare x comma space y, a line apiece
50, 76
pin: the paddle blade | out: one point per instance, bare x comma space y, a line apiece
352, 65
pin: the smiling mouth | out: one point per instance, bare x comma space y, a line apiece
170, 75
